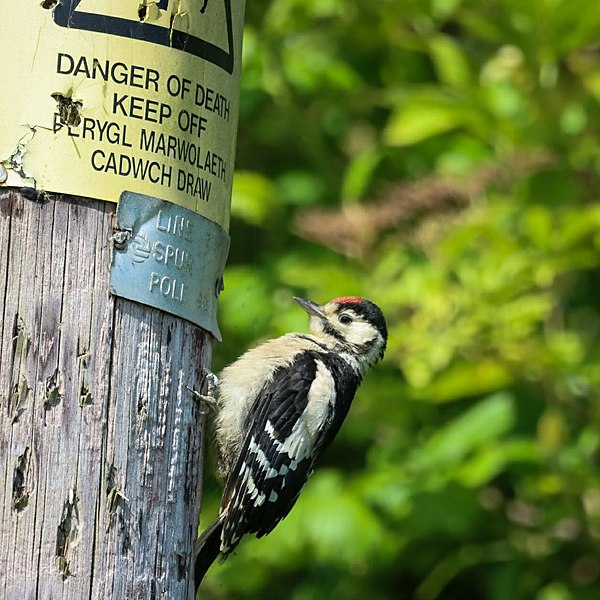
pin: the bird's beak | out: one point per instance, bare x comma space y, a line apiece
310, 307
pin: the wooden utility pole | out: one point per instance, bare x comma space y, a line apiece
100, 441
100, 438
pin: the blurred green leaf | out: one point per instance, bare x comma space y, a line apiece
449, 60
480, 425
466, 379
300, 188
420, 119
254, 197
359, 175
467, 134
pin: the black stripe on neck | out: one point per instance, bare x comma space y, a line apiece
312, 340
333, 332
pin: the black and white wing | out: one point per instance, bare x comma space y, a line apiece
296, 414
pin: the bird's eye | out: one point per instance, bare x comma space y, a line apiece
345, 319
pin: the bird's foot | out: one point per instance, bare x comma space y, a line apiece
207, 401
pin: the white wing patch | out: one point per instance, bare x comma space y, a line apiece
321, 397
299, 444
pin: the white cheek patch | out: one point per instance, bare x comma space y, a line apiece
360, 333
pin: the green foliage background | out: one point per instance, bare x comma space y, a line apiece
454, 147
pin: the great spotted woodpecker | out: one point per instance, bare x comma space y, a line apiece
278, 406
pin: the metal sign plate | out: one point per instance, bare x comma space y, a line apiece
169, 257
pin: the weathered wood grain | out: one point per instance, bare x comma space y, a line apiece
100, 440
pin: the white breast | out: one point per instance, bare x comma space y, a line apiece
242, 381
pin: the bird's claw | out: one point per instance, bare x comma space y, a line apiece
207, 400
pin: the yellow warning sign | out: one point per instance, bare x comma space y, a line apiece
106, 96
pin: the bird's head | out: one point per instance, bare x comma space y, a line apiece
349, 325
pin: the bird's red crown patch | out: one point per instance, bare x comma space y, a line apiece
348, 300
